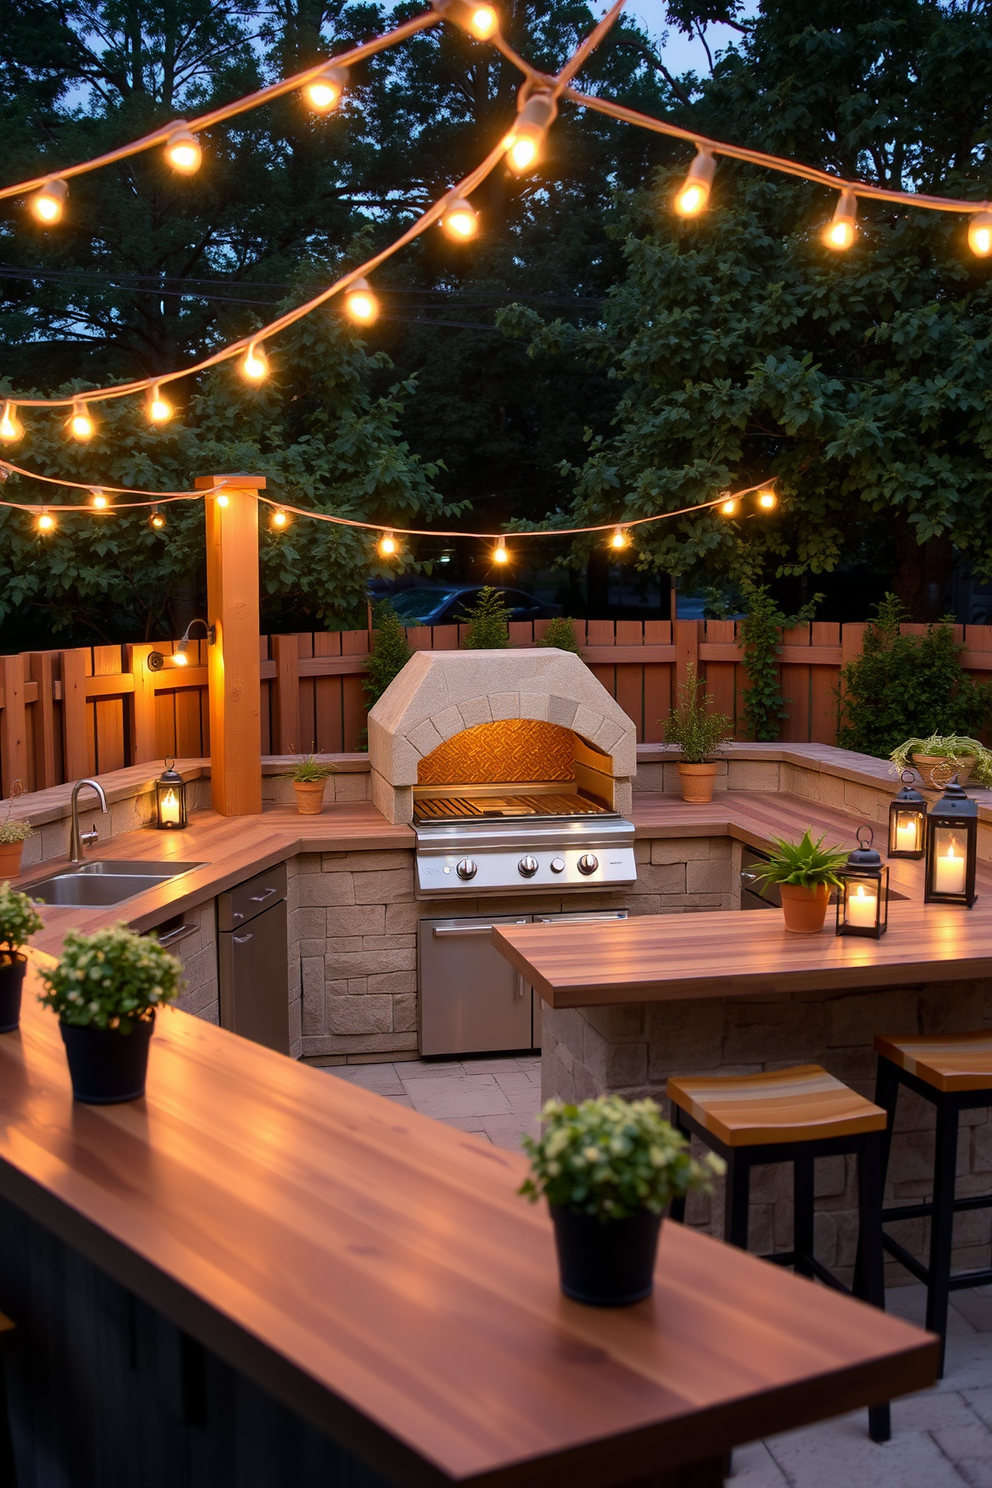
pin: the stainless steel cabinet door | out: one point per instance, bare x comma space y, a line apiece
471, 999
254, 979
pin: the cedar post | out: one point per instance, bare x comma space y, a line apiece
233, 661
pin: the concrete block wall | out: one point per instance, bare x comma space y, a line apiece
198, 953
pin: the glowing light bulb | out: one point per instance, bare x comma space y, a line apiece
619, 538
48, 204
179, 658
842, 229
360, 303
98, 501
159, 409
254, 364
767, 500
223, 500
460, 221
695, 190
478, 19
500, 554
81, 425
387, 546
729, 507
11, 428
46, 522
525, 140
279, 519
182, 151
156, 519
323, 93
980, 234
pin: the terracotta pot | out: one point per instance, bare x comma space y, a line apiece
935, 771
309, 796
10, 859
805, 909
697, 781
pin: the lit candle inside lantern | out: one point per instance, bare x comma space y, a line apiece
861, 907
949, 872
170, 809
905, 834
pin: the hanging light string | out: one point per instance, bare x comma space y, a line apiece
8, 468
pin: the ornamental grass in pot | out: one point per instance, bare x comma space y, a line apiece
607, 1169
13, 835
309, 777
105, 990
805, 872
698, 733
19, 920
940, 757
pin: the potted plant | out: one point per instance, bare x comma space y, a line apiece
105, 990
13, 835
805, 872
943, 755
607, 1169
19, 920
698, 733
309, 777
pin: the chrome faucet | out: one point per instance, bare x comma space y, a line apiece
77, 839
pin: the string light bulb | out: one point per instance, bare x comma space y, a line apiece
81, 425
767, 500
387, 546
159, 409
254, 364
694, 193
980, 234
46, 522
48, 204
182, 151
98, 500
474, 16
842, 229
323, 93
11, 428
279, 519
729, 507
360, 304
223, 500
500, 554
525, 140
156, 520
619, 538
460, 221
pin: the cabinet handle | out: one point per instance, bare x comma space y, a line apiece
180, 933
261, 898
242, 939
443, 930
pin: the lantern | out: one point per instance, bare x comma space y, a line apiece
170, 799
907, 821
952, 848
863, 896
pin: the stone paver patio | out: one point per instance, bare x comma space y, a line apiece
940, 1439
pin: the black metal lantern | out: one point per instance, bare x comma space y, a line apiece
170, 799
952, 848
907, 821
863, 896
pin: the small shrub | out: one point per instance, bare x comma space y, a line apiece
19, 920
309, 770
561, 633
689, 725
488, 622
805, 863
12, 830
389, 655
111, 979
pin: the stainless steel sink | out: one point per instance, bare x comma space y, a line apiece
107, 882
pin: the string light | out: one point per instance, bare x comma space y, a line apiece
11, 428
81, 425
729, 507
98, 500
254, 364
279, 519
223, 500
387, 546
694, 193
460, 221
479, 20
842, 229
156, 519
323, 93
48, 204
767, 500
619, 538
526, 139
182, 151
500, 554
46, 522
980, 234
159, 409
360, 303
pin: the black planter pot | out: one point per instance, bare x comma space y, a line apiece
606, 1263
12, 969
105, 1066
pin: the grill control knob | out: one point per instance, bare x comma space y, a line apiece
467, 869
528, 866
588, 863
557, 865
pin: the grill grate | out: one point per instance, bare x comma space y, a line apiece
455, 808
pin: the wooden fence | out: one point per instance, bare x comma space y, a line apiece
64, 714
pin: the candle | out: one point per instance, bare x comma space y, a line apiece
949, 872
905, 834
170, 808
861, 907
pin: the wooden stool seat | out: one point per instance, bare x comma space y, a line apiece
960, 1061
803, 1104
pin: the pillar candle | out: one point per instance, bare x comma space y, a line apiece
905, 834
861, 907
949, 872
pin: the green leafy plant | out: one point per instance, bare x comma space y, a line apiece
12, 830
904, 687
697, 732
111, 979
309, 770
389, 654
611, 1157
19, 920
760, 635
561, 633
488, 620
805, 863
957, 749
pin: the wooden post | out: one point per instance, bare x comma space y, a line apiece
232, 661
13, 724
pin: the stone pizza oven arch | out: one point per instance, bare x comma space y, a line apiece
442, 694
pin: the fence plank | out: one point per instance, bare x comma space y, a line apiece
327, 696
13, 725
285, 711
824, 683
353, 709
78, 743
108, 709
141, 709
41, 669
657, 680
687, 639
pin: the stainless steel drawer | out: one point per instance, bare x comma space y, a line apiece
238, 906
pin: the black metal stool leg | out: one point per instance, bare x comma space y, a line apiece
738, 1198
942, 1223
869, 1270
886, 1096
802, 1213
676, 1209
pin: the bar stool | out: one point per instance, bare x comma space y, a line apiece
795, 1116
954, 1074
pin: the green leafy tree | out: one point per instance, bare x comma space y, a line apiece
389, 654
488, 622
